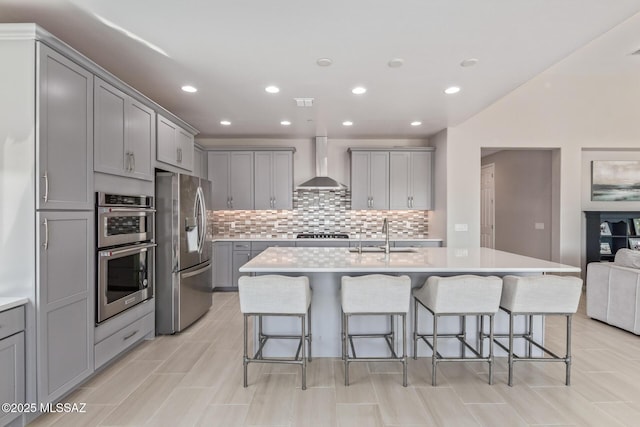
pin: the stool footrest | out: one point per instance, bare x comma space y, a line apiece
460, 338
532, 341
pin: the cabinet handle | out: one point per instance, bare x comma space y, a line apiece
133, 162
231, 202
130, 335
249, 256
228, 203
411, 201
45, 245
46, 187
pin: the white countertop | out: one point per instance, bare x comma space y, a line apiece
7, 303
422, 260
293, 239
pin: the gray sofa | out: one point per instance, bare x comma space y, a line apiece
613, 291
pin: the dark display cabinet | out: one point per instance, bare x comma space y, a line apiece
608, 232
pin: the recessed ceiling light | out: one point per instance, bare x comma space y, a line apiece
189, 88
272, 89
324, 62
451, 90
469, 62
416, 123
396, 62
347, 123
359, 90
225, 122
285, 123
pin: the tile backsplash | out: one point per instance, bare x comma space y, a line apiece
324, 211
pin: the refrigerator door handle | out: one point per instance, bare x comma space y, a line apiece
203, 218
196, 272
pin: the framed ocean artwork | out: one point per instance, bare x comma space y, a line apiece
615, 180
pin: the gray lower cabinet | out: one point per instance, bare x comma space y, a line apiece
121, 340
241, 255
417, 243
312, 243
12, 362
65, 301
222, 264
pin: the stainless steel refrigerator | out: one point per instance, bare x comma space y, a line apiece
184, 290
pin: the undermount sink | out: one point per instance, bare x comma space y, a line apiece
381, 250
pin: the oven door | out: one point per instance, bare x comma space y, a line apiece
125, 278
120, 226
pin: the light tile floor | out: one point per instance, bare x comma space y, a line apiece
195, 379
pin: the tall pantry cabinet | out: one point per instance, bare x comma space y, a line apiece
47, 207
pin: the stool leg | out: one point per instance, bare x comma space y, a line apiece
244, 358
510, 349
481, 335
415, 329
530, 334
491, 324
404, 350
309, 326
346, 359
304, 359
434, 358
463, 348
344, 345
568, 356
393, 335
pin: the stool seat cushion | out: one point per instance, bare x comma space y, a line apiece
376, 293
541, 294
460, 294
274, 294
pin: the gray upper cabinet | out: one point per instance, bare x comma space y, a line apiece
231, 175
411, 180
175, 145
124, 133
273, 181
65, 133
200, 163
65, 301
369, 180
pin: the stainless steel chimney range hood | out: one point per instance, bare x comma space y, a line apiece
321, 181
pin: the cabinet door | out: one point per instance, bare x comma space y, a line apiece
240, 258
64, 301
360, 197
218, 166
184, 141
263, 180
197, 162
399, 164
110, 154
222, 264
421, 182
12, 373
282, 180
241, 180
141, 135
65, 133
166, 149
379, 180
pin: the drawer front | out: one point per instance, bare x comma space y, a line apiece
241, 246
11, 321
261, 246
111, 346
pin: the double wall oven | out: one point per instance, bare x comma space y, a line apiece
125, 252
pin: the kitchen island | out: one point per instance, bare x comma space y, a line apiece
326, 266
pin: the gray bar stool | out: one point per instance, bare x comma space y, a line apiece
457, 296
539, 295
375, 294
275, 295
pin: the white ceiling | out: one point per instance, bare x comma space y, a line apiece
231, 50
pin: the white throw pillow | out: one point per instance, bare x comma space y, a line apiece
627, 258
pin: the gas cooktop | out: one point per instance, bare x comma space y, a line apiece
322, 236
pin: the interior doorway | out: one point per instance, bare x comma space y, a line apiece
523, 210
487, 206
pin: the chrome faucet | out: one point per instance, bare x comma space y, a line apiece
385, 230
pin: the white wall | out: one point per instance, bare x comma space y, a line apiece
438, 217
554, 110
